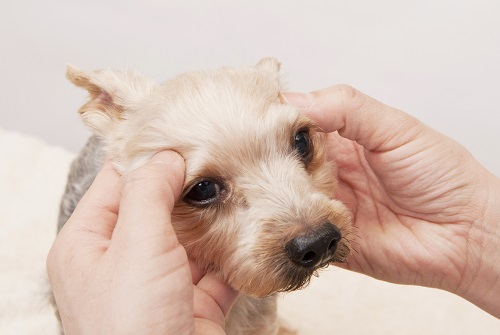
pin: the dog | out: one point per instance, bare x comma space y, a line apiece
257, 206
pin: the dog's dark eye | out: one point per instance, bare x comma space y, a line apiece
203, 192
303, 144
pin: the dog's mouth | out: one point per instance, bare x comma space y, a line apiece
276, 259
271, 269
298, 277
283, 275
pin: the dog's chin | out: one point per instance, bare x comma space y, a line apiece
288, 280
294, 280
285, 276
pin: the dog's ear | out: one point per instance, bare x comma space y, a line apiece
270, 65
112, 93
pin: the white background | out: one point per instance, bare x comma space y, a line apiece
437, 60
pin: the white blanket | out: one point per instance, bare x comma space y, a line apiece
32, 179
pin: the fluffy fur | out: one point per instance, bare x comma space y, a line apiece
233, 129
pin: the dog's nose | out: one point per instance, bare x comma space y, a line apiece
314, 248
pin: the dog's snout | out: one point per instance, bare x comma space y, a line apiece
314, 248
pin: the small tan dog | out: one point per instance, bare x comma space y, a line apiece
257, 207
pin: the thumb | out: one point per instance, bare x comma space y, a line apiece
358, 117
148, 197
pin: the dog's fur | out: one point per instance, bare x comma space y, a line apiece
233, 129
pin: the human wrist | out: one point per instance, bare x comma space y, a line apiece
481, 276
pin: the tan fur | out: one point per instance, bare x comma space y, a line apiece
232, 126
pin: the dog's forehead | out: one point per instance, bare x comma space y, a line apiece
227, 92
222, 119
224, 103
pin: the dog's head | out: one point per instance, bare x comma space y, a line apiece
257, 206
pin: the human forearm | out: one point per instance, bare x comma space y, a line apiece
481, 278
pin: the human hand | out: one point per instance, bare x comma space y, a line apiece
117, 267
427, 211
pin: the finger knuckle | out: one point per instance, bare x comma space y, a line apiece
346, 93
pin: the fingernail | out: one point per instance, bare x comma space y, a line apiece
297, 99
168, 156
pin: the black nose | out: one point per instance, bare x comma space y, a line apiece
315, 247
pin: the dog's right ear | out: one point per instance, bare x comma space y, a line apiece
112, 93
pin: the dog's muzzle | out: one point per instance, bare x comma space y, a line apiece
314, 248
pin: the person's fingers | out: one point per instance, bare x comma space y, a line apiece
208, 290
356, 116
92, 221
98, 209
210, 287
148, 197
196, 272
208, 327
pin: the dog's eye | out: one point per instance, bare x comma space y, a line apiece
203, 193
303, 144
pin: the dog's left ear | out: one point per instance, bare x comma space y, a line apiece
271, 66
112, 94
